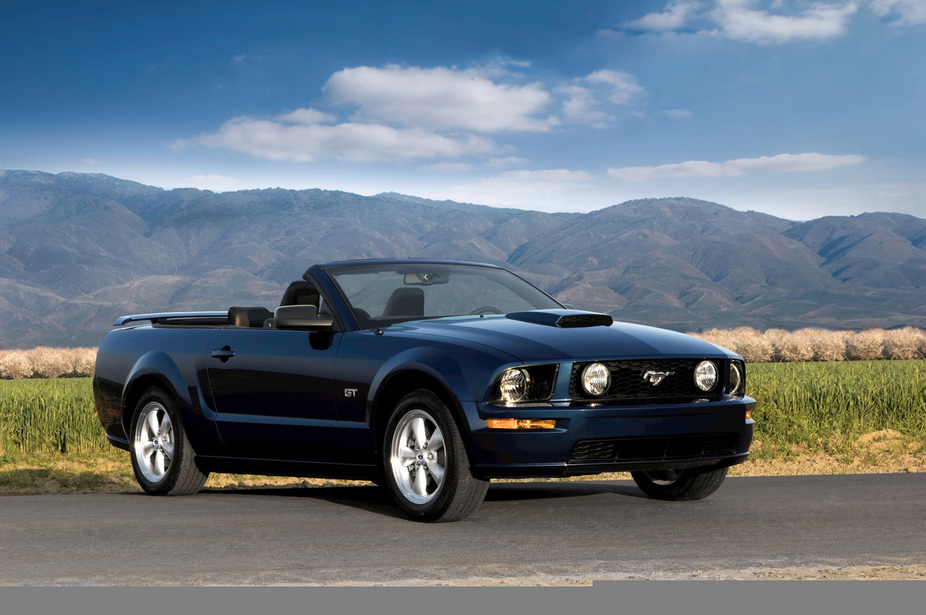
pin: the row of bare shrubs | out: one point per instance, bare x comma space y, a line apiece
45, 362
819, 344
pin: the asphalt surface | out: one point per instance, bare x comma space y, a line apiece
548, 533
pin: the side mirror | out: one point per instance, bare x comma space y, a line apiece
300, 317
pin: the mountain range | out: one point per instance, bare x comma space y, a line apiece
78, 250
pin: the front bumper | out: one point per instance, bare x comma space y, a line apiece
596, 439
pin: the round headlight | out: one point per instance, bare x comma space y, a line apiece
596, 378
514, 384
736, 378
705, 375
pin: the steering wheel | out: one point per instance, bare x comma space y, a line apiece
486, 309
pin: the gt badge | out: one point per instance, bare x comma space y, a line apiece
350, 392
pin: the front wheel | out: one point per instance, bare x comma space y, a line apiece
162, 457
426, 466
689, 484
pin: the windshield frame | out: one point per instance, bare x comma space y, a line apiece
529, 293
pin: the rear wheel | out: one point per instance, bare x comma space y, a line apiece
426, 466
688, 484
162, 457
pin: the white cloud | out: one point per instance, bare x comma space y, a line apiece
212, 182
673, 18
547, 176
440, 99
449, 167
740, 21
350, 142
909, 12
307, 116
93, 161
677, 114
507, 161
620, 88
782, 163
526, 189
581, 106
585, 96
419, 113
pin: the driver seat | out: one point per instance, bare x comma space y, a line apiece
405, 302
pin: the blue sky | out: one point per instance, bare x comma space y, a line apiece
795, 108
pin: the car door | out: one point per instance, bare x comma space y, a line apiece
275, 392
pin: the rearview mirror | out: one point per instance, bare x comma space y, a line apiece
426, 278
300, 317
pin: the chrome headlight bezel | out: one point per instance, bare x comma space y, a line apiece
737, 378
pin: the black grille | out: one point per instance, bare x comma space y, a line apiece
654, 449
628, 381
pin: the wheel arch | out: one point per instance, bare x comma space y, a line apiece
402, 382
154, 369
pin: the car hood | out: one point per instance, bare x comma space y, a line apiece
540, 339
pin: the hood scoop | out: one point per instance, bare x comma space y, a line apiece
564, 319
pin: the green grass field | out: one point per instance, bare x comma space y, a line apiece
802, 407
816, 404
49, 416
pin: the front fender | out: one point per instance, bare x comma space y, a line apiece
463, 374
431, 361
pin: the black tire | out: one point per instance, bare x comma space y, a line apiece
162, 458
690, 484
430, 480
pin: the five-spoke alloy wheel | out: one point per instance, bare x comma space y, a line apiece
162, 457
418, 457
154, 442
426, 466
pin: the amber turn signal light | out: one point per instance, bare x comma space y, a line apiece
521, 423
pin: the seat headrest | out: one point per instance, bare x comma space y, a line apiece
300, 293
248, 316
405, 302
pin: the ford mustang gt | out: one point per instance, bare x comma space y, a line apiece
427, 377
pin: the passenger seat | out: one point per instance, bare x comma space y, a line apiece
248, 316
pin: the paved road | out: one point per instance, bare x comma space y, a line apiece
547, 532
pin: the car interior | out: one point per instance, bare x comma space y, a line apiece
299, 292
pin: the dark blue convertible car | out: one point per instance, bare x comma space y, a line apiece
426, 377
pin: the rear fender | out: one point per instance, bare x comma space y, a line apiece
163, 368
157, 368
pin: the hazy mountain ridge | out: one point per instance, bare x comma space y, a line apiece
77, 250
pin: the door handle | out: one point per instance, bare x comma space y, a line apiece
223, 354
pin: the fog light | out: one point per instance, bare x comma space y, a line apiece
596, 379
705, 375
521, 423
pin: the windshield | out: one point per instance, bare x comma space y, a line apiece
380, 294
